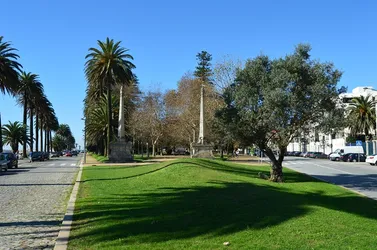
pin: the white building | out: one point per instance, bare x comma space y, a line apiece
318, 142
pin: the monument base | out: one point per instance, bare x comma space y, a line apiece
121, 151
202, 150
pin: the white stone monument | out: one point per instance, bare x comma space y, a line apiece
121, 150
202, 149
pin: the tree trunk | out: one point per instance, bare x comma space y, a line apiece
222, 152
153, 149
25, 125
50, 137
109, 108
276, 173
41, 131
31, 121
36, 132
47, 141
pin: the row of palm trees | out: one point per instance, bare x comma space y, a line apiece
108, 68
29, 92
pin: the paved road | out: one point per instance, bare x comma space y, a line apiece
32, 202
358, 176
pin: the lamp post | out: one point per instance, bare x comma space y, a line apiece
84, 140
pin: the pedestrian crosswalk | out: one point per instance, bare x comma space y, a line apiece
56, 164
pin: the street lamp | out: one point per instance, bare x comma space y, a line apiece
84, 140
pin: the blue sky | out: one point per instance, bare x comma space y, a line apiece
164, 36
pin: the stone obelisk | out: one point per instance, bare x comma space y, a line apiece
121, 131
202, 149
201, 120
121, 150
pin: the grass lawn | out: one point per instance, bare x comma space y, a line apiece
199, 204
100, 158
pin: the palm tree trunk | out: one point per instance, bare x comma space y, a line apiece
41, 131
36, 131
109, 108
25, 125
50, 141
46, 141
31, 130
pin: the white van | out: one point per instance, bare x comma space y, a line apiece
336, 155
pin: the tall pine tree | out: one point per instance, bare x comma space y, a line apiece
203, 71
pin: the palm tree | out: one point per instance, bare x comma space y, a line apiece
14, 134
9, 68
97, 126
362, 117
106, 67
30, 87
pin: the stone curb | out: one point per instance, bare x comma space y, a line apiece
63, 237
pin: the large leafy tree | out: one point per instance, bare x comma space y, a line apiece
272, 100
30, 87
362, 115
9, 68
106, 67
14, 134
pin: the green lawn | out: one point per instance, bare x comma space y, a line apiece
100, 158
199, 204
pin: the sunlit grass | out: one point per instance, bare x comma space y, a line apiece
200, 204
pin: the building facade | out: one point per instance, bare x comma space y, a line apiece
318, 142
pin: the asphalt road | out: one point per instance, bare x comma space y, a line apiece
358, 176
33, 200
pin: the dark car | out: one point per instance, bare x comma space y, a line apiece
356, 157
54, 154
12, 158
74, 153
36, 156
319, 155
46, 156
3, 163
344, 157
296, 153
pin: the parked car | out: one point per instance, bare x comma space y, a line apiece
337, 154
344, 157
3, 163
46, 156
296, 153
302, 154
74, 153
357, 157
12, 159
54, 154
319, 155
309, 155
36, 156
68, 154
372, 159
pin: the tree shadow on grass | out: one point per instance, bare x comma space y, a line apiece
221, 209
244, 170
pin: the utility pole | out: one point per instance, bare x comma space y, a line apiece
84, 140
